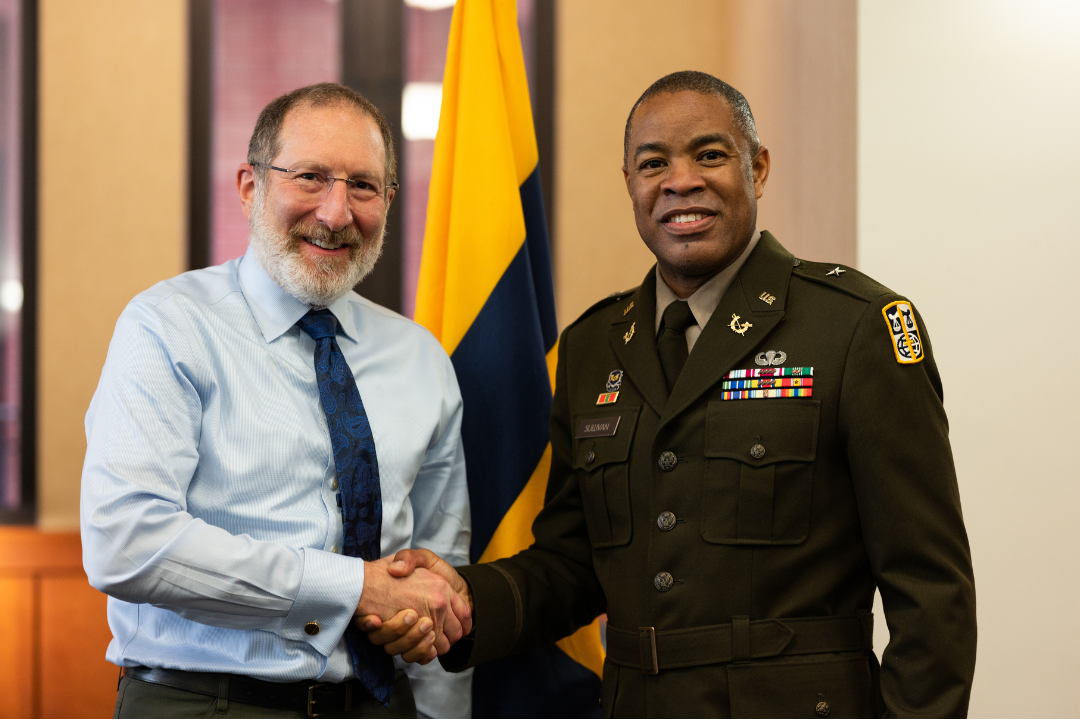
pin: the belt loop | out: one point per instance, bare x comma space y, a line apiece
647, 646
740, 638
867, 619
222, 693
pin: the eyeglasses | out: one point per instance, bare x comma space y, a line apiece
313, 182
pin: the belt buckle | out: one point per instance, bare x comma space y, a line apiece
649, 664
311, 698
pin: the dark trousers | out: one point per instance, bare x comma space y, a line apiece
138, 699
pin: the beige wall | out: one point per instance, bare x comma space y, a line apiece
113, 115
795, 62
968, 203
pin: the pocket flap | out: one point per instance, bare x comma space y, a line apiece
605, 449
761, 432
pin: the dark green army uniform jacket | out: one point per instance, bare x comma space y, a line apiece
735, 544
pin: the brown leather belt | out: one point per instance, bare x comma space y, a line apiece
310, 697
743, 639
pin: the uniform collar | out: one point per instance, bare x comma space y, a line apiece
275, 310
705, 299
764, 275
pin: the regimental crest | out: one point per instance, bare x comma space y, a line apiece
906, 340
614, 381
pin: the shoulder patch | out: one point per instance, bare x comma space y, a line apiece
904, 332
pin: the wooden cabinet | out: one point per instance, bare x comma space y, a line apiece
52, 657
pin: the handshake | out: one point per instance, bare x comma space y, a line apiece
414, 604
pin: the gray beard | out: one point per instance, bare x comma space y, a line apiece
319, 283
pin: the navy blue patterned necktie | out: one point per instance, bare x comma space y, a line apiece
358, 480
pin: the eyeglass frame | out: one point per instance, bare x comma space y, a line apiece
347, 181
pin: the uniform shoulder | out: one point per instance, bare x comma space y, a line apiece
608, 302
841, 278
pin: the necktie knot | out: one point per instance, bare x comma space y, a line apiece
319, 324
678, 316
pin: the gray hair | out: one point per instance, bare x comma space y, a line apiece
265, 141
704, 84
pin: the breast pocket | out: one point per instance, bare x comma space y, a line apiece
602, 465
759, 468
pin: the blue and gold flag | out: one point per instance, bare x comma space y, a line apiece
485, 291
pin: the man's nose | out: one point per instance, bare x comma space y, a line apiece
334, 211
682, 178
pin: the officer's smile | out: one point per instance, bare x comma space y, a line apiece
687, 221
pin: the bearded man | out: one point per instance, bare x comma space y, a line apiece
261, 436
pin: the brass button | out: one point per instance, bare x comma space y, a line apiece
668, 461
333, 483
663, 581
666, 521
822, 709
312, 628
589, 457
757, 452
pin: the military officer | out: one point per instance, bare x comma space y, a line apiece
743, 448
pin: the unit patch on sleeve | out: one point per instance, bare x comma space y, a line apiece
906, 341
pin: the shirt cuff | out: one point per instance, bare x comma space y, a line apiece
329, 592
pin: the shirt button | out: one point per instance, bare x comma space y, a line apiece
663, 581
590, 457
333, 483
666, 521
334, 549
668, 461
312, 628
757, 452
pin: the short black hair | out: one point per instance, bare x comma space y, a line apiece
705, 84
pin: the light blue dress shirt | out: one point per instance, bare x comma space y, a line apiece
209, 512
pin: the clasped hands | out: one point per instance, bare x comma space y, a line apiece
415, 604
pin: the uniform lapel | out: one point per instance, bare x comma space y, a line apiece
638, 355
719, 348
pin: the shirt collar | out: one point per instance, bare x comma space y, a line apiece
705, 299
275, 310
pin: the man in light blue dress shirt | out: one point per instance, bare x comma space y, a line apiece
210, 510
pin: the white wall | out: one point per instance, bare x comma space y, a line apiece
969, 202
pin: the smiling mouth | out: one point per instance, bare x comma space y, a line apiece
686, 218
324, 244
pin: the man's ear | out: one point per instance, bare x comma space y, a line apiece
626, 179
245, 187
760, 167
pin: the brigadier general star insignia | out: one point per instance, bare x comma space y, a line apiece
835, 271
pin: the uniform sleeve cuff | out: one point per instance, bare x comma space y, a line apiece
496, 614
329, 592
